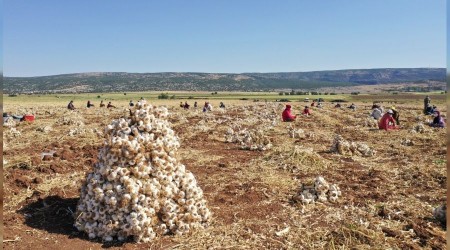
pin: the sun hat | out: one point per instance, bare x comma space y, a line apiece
390, 111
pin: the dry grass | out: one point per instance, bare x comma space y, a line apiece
386, 199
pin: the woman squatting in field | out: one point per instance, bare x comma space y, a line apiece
387, 122
438, 120
287, 116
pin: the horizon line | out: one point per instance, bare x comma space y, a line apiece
198, 72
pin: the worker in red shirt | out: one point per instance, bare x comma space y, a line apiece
286, 115
306, 111
387, 122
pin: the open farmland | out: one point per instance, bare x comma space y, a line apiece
387, 196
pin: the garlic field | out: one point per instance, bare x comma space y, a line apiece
161, 177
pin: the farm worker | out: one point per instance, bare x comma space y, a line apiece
319, 105
426, 103
313, 103
352, 107
396, 115
102, 104
376, 113
434, 109
306, 111
387, 122
222, 105
70, 106
378, 107
438, 120
195, 105
181, 105
186, 105
89, 104
428, 110
338, 105
110, 105
286, 115
131, 103
207, 107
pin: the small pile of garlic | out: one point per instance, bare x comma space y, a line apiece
13, 132
371, 122
9, 122
138, 188
296, 133
419, 128
406, 142
321, 191
202, 127
76, 131
420, 118
248, 139
44, 129
343, 147
71, 118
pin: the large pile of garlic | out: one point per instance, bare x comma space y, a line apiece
343, 147
138, 188
248, 139
321, 191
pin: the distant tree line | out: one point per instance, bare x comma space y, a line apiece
306, 93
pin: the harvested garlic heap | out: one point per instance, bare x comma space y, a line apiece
71, 118
137, 187
12, 132
370, 122
321, 191
419, 128
248, 139
44, 129
296, 133
9, 123
344, 147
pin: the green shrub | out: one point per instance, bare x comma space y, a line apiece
163, 96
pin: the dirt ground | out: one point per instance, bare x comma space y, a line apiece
386, 203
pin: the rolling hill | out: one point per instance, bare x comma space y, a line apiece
191, 81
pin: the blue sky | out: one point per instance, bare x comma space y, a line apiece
48, 37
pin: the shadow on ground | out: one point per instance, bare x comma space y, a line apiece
54, 214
